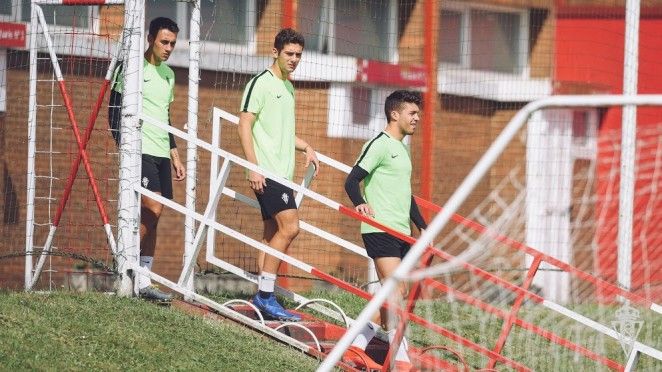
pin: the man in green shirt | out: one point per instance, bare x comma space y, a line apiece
159, 150
268, 139
384, 166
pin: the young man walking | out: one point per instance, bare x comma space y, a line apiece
384, 166
267, 135
159, 151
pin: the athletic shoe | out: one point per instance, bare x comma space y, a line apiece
271, 309
360, 359
153, 293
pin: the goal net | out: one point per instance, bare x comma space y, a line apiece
549, 203
64, 52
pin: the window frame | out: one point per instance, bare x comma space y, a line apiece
341, 123
17, 17
183, 18
465, 40
328, 33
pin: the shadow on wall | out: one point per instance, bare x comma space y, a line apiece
10, 210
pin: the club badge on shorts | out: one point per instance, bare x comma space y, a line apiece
285, 198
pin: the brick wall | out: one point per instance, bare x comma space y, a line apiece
464, 128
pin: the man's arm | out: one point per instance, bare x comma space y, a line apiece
416, 217
246, 121
353, 190
304, 147
177, 166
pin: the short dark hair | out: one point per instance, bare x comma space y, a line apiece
160, 23
287, 36
395, 100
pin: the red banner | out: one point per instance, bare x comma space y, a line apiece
381, 73
12, 35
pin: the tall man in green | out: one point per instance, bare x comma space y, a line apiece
267, 134
384, 166
159, 151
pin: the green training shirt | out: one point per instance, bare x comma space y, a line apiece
158, 93
387, 187
272, 101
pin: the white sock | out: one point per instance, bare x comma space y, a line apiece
367, 333
401, 355
266, 282
146, 262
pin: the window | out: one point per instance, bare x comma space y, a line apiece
356, 111
222, 21
226, 22
6, 8
71, 16
491, 39
584, 133
364, 29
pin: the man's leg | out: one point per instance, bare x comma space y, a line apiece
287, 228
150, 212
282, 230
270, 228
385, 267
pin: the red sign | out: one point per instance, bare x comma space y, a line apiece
12, 35
375, 72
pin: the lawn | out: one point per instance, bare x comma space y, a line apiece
94, 331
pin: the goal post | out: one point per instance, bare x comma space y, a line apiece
407, 271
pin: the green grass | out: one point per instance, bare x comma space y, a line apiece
67, 331
522, 346
92, 331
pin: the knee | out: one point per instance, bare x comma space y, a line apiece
291, 230
150, 215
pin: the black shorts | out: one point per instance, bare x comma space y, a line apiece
384, 245
157, 175
115, 115
275, 198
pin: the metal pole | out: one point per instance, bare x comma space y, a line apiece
128, 213
32, 148
403, 272
431, 22
628, 145
192, 124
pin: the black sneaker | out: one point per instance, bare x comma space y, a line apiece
153, 293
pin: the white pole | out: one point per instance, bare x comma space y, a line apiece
192, 123
128, 213
628, 145
32, 148
403, 271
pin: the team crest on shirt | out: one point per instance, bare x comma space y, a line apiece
145, 181
285, 198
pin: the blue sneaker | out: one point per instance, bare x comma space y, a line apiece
271, 309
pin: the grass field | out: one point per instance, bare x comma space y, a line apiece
69, 331
522, 346
92, 331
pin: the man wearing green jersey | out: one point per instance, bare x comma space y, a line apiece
385, 167
159, 151
267, 135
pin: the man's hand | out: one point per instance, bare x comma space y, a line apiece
180, 170
312, 157
257, 182
365, 210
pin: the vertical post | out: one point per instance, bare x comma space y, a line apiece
128, 213
32, 148
192, 124
430, 27
288, 18
628, 144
